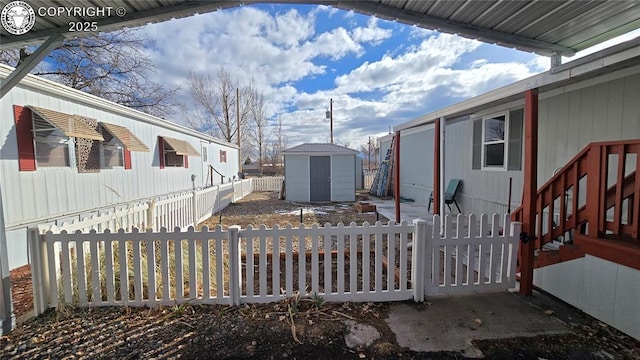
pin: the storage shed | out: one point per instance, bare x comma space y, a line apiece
320, 172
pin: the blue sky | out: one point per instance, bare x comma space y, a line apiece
378, 73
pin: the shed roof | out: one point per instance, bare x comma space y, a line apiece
320, 148
544, 27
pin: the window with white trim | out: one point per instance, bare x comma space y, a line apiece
52, 146
112, 154
497, 141
223, 156
494, 130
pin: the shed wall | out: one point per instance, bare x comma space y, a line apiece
343, 178
296, 173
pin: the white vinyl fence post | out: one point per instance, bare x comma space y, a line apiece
418, 258
39, 272
194, 203
150, 210
235, 264
514, 238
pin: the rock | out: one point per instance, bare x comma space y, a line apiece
360, 335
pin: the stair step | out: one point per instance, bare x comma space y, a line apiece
562, 254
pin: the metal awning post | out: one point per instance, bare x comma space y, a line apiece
29, 63
442, 167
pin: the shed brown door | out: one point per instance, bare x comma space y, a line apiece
320, 178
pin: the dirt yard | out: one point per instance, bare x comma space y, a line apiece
298, 328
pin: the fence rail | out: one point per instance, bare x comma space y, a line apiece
273, 183
233, 266
182, 209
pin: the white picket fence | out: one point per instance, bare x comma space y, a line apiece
181, 210
233, 266
272, 183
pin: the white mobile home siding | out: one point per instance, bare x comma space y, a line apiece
601, 288
570, 118
47, 194
342, 177
601, 109
296, 172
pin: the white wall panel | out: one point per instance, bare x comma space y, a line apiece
343, 178
34, 196
601, 288
296, 172
627, 303
607, 111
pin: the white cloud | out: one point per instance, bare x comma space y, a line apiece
417, 63
372, 33
280, 50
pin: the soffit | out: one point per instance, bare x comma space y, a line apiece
541, 26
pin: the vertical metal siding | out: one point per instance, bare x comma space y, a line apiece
296, 173
602, 112
416, 169
343, 186
51, 192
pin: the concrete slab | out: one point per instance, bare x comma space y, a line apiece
451, 323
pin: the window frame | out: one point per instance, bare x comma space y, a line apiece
504, 142
67, 141
113, 143
223, 156
166, 150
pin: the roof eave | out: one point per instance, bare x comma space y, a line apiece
544, 81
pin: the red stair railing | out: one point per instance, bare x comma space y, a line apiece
596, 194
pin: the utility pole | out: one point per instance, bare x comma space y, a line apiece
331, 121
369, 154
329, 115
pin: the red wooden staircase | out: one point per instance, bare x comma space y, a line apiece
591, 206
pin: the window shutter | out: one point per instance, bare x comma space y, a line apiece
186, 161
127, 159
476, 162
161, 151
26, 150
514, 162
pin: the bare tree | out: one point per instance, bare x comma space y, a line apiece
259, 124
278, 145
370, 149
113, 66
218, 100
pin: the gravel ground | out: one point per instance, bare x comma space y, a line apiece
298, 328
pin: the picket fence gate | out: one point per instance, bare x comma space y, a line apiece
380, 262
